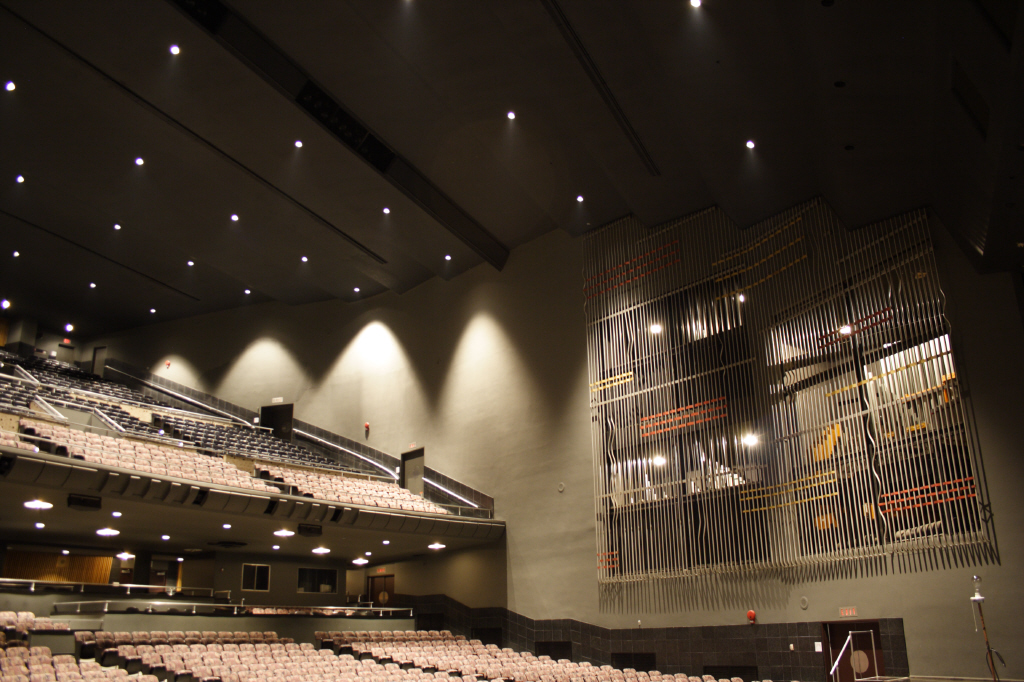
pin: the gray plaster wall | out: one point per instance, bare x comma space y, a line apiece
488, 372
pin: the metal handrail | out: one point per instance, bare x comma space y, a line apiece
849, 641
196, 591
105, 605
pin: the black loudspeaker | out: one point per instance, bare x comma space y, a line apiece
85, 503
308, 530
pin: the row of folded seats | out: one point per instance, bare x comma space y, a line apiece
89, 644
57, 373
36, 664
24, 621
250, 441
350, 490
142, 456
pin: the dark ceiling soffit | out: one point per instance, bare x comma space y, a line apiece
583, 56
130, 269
152, 108
254, 49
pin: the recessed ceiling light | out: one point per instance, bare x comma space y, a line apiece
386, 210
360, 561
69, 327
17, 253
436, 545
191, 263
116, 226
181, 559
749, 440
305, 260
92, 285
750, 144
175, 49
247, 291
125, 556
386, 542
655, 328
40, 525
108, 532
20, 178
234, 217
226, 526
5, 304
298, 144
65, 552
368, 553
116, 514
356, 290
511, 115
283, 533
694, 3
276, 547
579, 198
38, 504
139, 161
846, 330
152, 310
448, 256
741, 298
321, 550
165, 537
659, 460
10, 86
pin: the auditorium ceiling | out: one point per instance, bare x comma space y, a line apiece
136, 159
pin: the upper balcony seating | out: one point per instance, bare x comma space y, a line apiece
350, 490
141, 456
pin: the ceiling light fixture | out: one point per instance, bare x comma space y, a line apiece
5, 304
191, 263
20, 178
69, 327
305, 260
386, 542
298, 144
694, 3
360, 561
247, 291
511, 115
10, 86
175, 49
226, 526
116, 226
750, 144
92, 285
17, 253
152, 310
321, 550
655, 328
386, 210
181, 559
284, 533
436, 545
125, 556
40, 525
65, 552
579, 198
356, 289
139, 161
234, 217
38, 504
276, 547
165, 537
846, 330
659, 460
749, 440
108, 532
368, 553
448, 256
116, 514
741, 298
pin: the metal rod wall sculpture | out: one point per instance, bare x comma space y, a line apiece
783, 396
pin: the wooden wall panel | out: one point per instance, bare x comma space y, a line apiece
57, 567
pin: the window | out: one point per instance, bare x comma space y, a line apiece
322, 580
256, 577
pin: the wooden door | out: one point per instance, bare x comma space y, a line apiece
381, 589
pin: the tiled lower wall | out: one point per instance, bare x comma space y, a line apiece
684, 649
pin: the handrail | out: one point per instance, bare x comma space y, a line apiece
849, 638
49, 409
179, 396
81, 586
102, 415
374, 462
157, 606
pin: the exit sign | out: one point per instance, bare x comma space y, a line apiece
380, 570
847, 611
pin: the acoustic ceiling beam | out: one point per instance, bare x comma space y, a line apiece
254, 49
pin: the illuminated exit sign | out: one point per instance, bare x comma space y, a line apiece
847, 611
